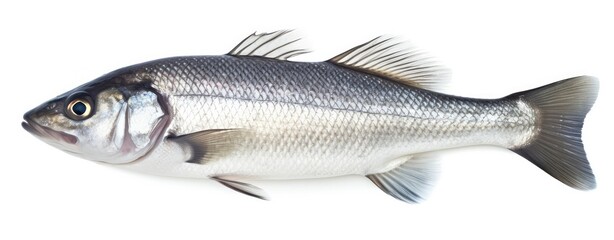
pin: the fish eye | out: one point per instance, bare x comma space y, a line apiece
79, 108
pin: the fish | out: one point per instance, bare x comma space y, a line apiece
375, 110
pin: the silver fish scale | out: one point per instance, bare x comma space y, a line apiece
320, 119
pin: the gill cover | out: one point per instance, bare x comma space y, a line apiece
125, 127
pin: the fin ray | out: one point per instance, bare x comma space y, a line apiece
209, 144
410, 181
242, 187
386, 57
557, 148
280, 45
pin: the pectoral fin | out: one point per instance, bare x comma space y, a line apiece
209, 144
410, 181
242, 187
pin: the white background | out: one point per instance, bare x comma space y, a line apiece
49, 47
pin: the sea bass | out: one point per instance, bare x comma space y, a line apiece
252, 114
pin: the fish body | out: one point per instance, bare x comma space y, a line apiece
252, 114
302, 120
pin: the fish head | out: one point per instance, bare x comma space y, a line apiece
113, 119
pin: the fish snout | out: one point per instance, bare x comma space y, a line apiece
34, 128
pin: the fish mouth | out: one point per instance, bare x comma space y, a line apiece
46, 133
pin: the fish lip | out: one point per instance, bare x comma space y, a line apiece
44, 132
30, 129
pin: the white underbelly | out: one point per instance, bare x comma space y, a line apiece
170, 159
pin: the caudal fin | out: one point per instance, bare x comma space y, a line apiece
557, 148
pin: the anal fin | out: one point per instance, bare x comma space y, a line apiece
409, 182
242, 187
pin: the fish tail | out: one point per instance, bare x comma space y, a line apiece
557, 147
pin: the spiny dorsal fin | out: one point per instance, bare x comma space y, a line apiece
280, 45
392, 59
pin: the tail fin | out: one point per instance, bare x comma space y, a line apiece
557, 148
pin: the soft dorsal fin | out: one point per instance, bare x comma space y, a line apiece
280, 45
392, 59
